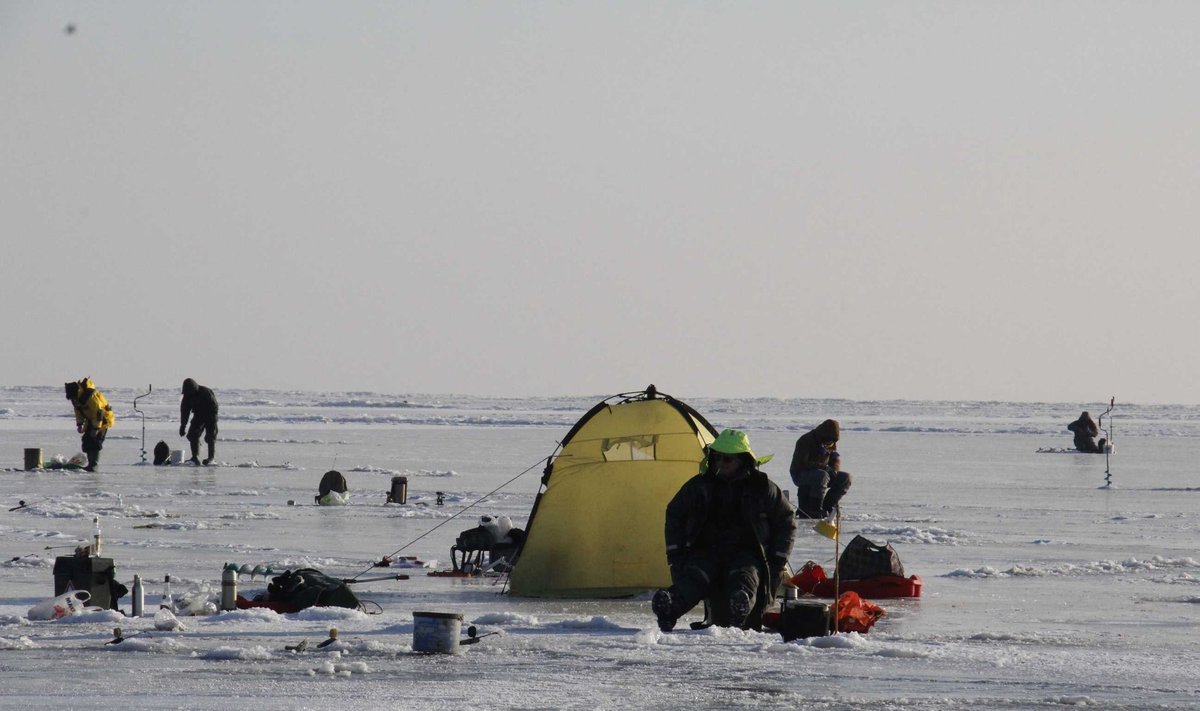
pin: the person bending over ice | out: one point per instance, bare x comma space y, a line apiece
93, 417
199, 402
729, 531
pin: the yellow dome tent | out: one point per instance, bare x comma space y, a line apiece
596, 529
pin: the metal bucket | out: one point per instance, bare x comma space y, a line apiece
33, 459
436, 632
399, 494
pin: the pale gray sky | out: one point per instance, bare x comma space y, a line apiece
924, 200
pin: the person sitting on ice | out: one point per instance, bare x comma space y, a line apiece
729, 532
820, 483
162, 453
332, 489
1085, 430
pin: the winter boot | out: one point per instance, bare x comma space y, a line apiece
211, 454
663, 605
93, 460
739, 608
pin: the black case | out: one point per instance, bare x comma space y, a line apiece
96, 575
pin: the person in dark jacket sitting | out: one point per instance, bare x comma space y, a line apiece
1085, 430
729, 531
199, 402
820, 482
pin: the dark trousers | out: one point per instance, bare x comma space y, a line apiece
201, 426
818, 492
207, 427
92, 442
715, 575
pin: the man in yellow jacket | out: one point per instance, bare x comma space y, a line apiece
93, 417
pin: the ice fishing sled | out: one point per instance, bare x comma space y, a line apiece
1108, 448
872, 570
878, 588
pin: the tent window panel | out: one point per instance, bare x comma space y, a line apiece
631, 449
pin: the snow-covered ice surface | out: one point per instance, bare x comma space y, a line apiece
1043, 590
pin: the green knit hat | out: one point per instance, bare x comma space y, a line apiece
736, 442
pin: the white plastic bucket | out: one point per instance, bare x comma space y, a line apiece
436, 632
176, 456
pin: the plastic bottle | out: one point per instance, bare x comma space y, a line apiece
95, 535
139, 596
168, 602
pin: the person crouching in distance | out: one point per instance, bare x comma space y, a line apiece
816, 471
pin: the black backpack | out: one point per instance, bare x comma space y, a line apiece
309, 587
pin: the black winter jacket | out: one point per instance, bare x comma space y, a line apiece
809, 453
764, 509
202, 403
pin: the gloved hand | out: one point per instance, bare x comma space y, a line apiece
181, 430
79, 429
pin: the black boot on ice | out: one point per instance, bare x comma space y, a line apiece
663, 605
739, 608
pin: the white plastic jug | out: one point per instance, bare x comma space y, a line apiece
69, 603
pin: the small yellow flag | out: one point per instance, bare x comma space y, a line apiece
827, 529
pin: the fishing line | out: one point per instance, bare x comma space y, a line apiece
459, 513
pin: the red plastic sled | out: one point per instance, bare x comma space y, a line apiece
811, 579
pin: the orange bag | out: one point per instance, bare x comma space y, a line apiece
855, 614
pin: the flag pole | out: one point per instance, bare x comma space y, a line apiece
837, 568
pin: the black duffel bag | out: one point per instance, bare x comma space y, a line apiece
309, 587
864, 559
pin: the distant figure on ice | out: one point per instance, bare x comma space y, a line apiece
93, 417
729, 531
332, 489
1085, 430
162, 453
820, 483
199, 402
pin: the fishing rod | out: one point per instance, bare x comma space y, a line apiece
21, 504
457, 514
473, 635
371, 580
135, 409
